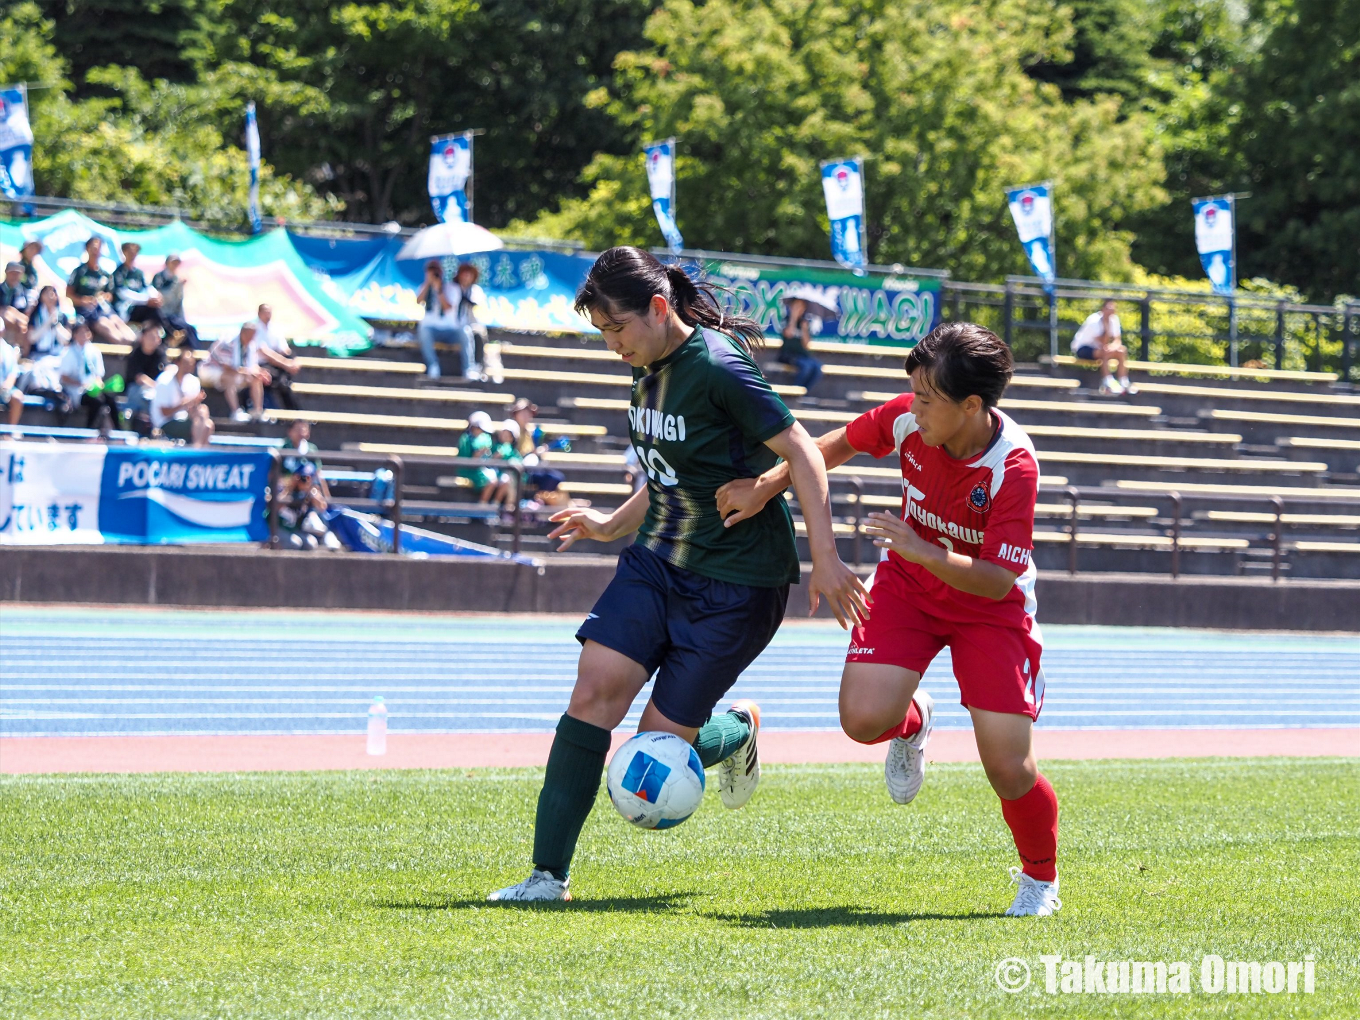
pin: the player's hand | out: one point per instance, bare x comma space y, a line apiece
845, 592
891, 532
577, 523
738, 500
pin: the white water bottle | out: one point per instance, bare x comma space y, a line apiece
377, 726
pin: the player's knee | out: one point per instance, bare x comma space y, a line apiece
1011, 778
862, 725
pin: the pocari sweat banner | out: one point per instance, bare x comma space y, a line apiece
660, 160
1214, 240
16, 143
450, 169
843, 186
253, 154
67, 493
1032, 210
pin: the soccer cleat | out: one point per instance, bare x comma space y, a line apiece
905, 769
739, 774
1033, 898
539, 887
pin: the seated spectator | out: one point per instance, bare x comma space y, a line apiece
133, 300
543, 482
49, 329
10, 395
797, 334
90, 290
170, 285
29, 251
449, 316
43, 380
231, 368
275, 357
178, 407
1098, 340
504, 450
477, 442
303, 493
82, 377
15, 306
142, 370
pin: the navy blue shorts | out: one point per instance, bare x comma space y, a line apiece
1087, 352
696, 633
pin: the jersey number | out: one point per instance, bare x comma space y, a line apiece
657, 467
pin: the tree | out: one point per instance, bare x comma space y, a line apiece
935, 94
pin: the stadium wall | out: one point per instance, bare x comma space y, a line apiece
207, 577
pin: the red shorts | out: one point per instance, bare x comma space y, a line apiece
997, 667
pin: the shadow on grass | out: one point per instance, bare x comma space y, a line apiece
612, 904
841, 917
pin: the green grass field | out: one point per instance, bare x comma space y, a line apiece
361, 895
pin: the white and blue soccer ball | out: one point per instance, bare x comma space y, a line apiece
656, 780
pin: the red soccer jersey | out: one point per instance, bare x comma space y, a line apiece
982, 507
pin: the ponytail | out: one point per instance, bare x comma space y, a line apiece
625, 279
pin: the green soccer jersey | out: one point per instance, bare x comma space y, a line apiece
700, 418
87, 282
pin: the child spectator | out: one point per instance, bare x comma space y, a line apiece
142, 370
178, 408
133, 300
90, 289
231, 367
49, 329
82, 377
506, 437
477, 442
29, 251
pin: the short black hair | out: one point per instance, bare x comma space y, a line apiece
962, 359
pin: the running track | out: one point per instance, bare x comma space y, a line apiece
102, 672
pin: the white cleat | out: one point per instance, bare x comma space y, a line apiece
1033, 898
739, 774
539, 887
905, 769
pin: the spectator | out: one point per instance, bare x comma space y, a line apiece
303, 493
89, 289
143, 369
170, 286
449, 316
477, 443
179, 407
506, 437
82, 377
797, 334
545, 483
43, 378
231, 367
49, 330
275, 357
15, 305
133, 300
29, 251
1098, 340
10, 395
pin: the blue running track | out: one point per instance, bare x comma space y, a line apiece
98, 671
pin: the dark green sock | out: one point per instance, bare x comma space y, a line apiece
720, 737
575, 765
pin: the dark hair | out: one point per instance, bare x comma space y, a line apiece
961, 359
437, 265
625, 279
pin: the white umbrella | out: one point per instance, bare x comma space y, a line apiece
449, 239
822, 302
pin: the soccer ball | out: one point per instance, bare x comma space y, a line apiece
656, 780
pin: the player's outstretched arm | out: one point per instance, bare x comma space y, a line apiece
844, 591
577, 523
966, 573
746, 497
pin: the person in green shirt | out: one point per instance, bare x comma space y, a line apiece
693, 600
133, 300
477, 442
90, 289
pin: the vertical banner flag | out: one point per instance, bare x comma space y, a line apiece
843, 185
253, 153
450, 171
16, 143
1216, 240
660, 159
1032, 209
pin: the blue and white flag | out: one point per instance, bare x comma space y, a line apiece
1215, 240
16, 143
1032, 210
450, 171
660, 159
253, 154
843, 185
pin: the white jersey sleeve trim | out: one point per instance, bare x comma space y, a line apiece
904, 426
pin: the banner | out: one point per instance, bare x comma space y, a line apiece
843, 186
67, 493
253, 154
16, 143
1032, 210
660, 160
450, 171
873, 308
1216, 240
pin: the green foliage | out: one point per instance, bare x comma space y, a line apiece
759, 91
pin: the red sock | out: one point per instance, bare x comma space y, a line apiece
1033, 820
908, 726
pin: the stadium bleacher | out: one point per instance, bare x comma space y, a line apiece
1214, 447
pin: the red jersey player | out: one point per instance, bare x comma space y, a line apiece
956, 571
